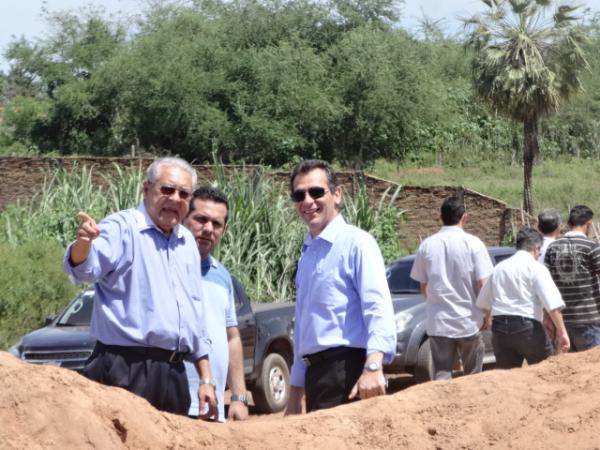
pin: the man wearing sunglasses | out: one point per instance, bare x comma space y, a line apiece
344, 324
146, 317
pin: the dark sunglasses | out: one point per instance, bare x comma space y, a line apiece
315, 192
167, 190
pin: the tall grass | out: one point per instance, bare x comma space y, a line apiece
263, 239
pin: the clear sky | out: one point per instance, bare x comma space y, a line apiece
24, 17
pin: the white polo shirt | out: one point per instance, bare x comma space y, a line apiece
520, 286
451, 262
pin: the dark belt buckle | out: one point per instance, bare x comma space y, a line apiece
176, 357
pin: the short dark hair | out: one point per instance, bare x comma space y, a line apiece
452, 209
529, 239
210, 193
580, 215
311, 164
548, 220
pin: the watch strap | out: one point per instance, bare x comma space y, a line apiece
240, 398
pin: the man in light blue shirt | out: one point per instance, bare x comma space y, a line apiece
146, 314
344, 325
207, 220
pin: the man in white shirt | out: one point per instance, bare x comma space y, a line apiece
451, 267
516, 295
549, 225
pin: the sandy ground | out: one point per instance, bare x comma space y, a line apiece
555, 404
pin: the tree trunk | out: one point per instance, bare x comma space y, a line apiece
530, 149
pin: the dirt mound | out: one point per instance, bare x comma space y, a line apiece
555, 404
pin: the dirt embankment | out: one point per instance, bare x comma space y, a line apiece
553, 405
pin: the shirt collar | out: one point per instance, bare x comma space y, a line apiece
144, 221
330, 232
451, 228
575, 233
211, 261
525, 254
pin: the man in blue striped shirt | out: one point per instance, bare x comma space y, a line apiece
146, 316
344, 328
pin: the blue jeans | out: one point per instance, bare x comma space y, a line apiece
583, 337
443, 354
517, 338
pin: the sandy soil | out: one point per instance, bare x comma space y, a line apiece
555, 404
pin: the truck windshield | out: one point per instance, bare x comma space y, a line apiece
78, 312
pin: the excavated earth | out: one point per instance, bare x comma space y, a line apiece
552, 405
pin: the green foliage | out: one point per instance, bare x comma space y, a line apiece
275, 81
33, 286
382, 219
52, 215
263, 238
525, 65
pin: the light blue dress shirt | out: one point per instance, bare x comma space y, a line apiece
148, 292
220, 314
342, 296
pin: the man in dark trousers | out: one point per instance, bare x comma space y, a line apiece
344, 329
146, 318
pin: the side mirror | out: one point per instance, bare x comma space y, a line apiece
49, 319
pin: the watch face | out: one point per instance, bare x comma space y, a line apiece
372, 367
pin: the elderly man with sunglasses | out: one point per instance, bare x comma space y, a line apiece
148, 316
344, 329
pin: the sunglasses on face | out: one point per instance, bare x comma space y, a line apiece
168, 190
315, 192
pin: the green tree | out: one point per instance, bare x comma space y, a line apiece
528, 59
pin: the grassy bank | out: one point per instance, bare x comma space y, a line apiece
558, 184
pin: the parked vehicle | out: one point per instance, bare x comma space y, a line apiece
413, 354
265, 329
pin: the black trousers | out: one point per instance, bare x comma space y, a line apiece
329, 381
162, 383
517, 338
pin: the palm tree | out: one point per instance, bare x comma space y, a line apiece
528, 59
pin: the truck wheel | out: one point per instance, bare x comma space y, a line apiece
273, 385
424, 364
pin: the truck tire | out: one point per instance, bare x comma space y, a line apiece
424, 364
273, 385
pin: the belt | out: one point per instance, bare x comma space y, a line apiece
159, 354
329, 353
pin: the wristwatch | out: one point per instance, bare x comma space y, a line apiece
372, 366
240, 398
207, 381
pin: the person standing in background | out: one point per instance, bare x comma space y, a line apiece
451, 267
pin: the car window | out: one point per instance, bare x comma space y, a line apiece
239, 295
500, 256
399, 280
79, 311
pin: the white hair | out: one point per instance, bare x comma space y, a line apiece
153, 172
